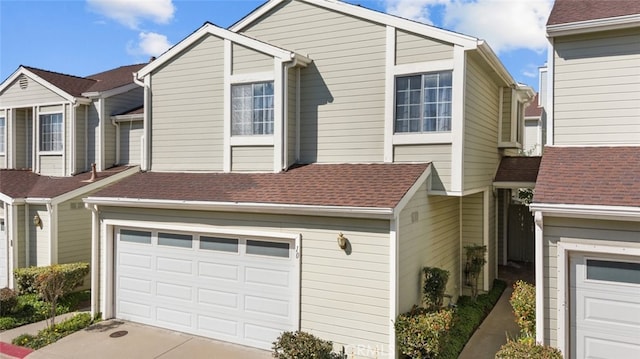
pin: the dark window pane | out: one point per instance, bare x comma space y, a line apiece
271, 249
622, 272
175, 240
219, 244
127, 235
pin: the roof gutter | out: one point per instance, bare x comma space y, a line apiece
625, 213
583, 27
248, 207
492, 59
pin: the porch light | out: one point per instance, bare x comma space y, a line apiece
342, 241
37, 221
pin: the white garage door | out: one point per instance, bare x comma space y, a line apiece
605, 307
241, 290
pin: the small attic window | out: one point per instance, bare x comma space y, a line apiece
24, 82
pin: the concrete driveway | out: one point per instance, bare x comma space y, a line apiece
143, 342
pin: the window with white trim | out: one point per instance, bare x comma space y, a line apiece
51, 132
252, 109
2, 140
423, 103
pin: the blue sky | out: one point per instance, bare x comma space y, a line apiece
83, 37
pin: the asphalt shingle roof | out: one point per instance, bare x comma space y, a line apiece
518, 169
568, 11
607, 176
357, 185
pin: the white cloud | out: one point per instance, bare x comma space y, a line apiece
149, 44
131, 12
505, 24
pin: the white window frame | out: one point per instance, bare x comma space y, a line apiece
422, 104
3, 137
252, 110
41, 134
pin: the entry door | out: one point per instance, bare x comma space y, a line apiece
605, 306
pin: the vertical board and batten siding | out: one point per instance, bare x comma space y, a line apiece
412, 48
429, 235
596, 82
130, 142
115, 105
187, 109
39, 237
344, 298
481, 156
74, 231
505, 135
247, 60
81, 139
342, 90
439, 156
472, 230
252, 159
584, 231
21, 261
14, 96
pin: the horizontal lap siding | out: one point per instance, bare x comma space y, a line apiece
21, 230
51, 166
571, 230
342, 91
14, 96
481, 155
506, 115
131, 133
39, 237
292, 135
246, 60
22, 131
344, 298
81, 137
438, 155
252, 159
187, 109
412, 48
602, 107
116, 105
472, 228
429, 235
74, 231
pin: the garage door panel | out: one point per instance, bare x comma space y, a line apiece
267, 277
221, 299
259, 335
278, 309
218, 271
134, 310
174, 317
136, 285
174, 266
131, 260
612, 311
218, 327
174, 291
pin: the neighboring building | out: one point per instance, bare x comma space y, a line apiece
535, 120
300, 129
52, 128
587, 199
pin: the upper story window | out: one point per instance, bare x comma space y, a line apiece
2, 140
252, 109
51, 132
423, 103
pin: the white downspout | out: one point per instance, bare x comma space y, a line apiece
72, 135
539, 238
145, 164
27, 235
95, 258
101, 124
86, 138
285, 113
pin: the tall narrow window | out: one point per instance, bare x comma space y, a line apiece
2, 140
252, 109
51, 132
423, 103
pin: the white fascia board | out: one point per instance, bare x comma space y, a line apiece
23, 71
492, 59
411, 192
248, 207
112, 92
210, 29
583, 27
10, 200
514, 185
95, 185
623, 213
38, 200
371, 15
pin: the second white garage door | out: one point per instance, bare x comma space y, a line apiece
605, 307
236, 289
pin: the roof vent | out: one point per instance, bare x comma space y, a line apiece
24, 82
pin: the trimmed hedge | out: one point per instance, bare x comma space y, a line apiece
421, 333
8, 301
523, 301
55, 333
525, 350
30, 308
74, 274
302, 345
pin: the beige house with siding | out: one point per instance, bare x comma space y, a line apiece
304, 165
53, 126
587, 202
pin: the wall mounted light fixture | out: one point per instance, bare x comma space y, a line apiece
37, 221
342, 241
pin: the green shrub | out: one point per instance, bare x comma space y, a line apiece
525, 350
523, 301
74, 274
302, 345
54, 333
420, 333
435, 283
8, 300
31, 308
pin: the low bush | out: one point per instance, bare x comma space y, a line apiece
527, 350
73, 273
523, 301
434, 284
420, 333
31, 308
302, 345
54, 333
8, 300
468, 315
